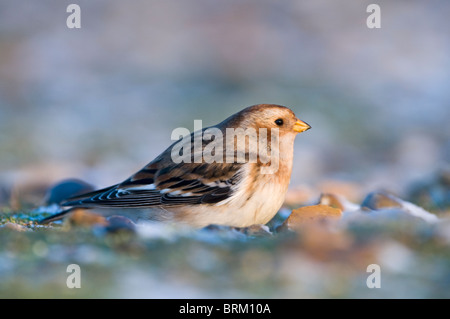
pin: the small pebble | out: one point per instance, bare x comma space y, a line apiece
311, 214
380, 200
14, 226
256, 231
331, 200
65, 189
433, 193
85, 218
118, 223
338, 201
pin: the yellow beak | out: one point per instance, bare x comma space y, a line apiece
301, 126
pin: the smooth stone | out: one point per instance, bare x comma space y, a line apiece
85, 218
380, 200
118, 223
311, 214
15, 227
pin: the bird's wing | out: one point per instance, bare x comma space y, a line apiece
168, 185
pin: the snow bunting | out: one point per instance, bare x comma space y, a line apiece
203, 192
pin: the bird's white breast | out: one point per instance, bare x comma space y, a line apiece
257, 201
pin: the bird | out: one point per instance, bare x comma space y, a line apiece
235, 191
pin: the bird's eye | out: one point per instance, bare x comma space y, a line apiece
279, 122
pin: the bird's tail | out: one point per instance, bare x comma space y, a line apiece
55, 217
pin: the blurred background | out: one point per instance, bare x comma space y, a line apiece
100, 102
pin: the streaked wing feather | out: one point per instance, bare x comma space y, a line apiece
167, 187
75, 199
163, 182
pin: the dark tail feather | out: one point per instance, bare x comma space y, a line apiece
55, 217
